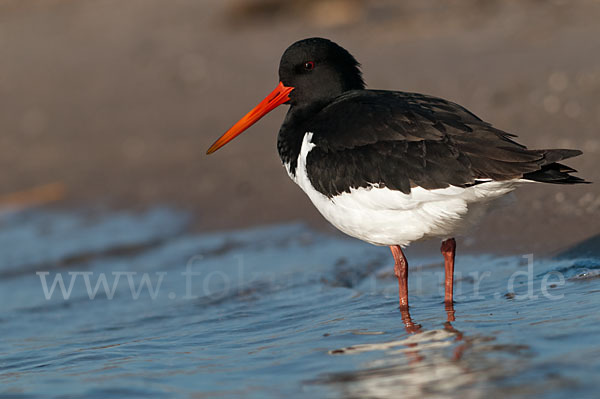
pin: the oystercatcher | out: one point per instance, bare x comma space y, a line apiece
390, 167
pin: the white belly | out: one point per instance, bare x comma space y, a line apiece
382, 216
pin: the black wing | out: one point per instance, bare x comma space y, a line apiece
402, 140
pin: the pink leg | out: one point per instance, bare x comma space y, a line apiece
401, 271
448, 250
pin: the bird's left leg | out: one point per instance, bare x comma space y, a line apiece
401, 272
448, 250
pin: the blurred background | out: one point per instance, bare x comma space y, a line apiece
113, 103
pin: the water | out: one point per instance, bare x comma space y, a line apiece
279, 311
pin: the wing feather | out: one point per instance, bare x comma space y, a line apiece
402, 140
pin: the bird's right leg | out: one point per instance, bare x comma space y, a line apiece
401, 272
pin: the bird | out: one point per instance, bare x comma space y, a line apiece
392, 167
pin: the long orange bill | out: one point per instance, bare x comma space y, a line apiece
272, 101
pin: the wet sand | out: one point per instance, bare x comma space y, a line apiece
118, 100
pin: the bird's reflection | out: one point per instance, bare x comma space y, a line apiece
411, 327
413, 362
417, 335
449, 312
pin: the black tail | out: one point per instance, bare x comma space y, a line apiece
553, 172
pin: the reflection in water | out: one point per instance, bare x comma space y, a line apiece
409, 325
423, 363
412, 327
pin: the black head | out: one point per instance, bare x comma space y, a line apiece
311, 72
318, 69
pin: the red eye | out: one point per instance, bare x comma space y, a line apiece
309, 66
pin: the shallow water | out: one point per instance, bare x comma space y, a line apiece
280, 311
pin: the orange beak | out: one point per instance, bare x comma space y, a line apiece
272, 101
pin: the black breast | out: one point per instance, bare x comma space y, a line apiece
297, 123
